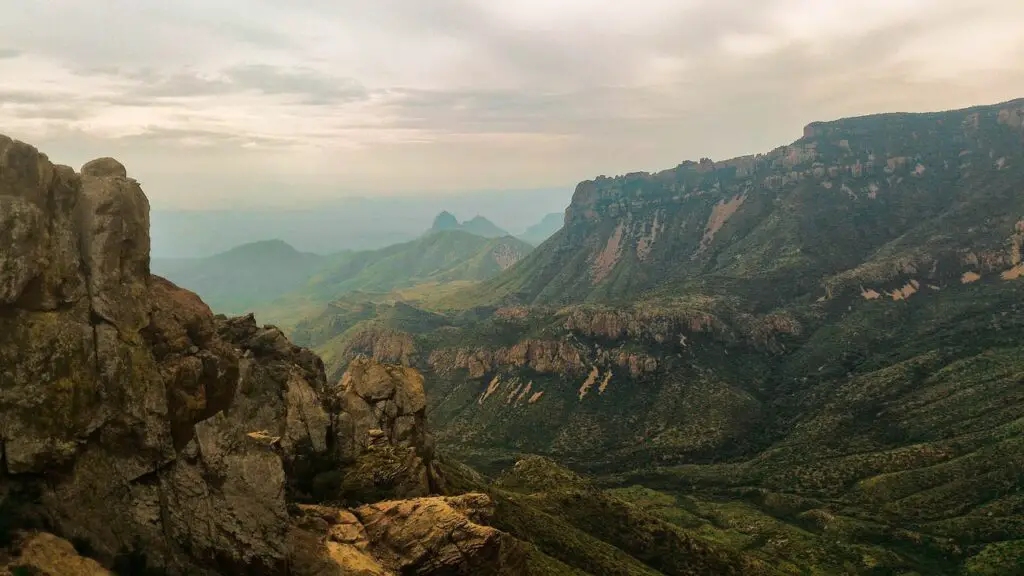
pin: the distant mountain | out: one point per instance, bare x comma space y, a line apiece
346, 223
234, 281
543, 230
478, 225
445, 221
444, 257
483, 227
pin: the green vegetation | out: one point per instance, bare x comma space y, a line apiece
414, 271
569, 519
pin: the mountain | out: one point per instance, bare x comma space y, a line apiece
813, 354
254, 276
432, 262
478, 225
848, 193
234, 281
543, 230
445, 221
444, 256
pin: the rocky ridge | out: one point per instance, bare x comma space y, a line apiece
156, 436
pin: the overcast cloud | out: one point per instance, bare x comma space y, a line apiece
231, 102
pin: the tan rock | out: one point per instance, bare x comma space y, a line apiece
330, 542
435, 535
104, 168
43, 554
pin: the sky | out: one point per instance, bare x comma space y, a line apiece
228, 103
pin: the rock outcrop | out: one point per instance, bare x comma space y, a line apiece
380, 431
155, 435
43, 554
421, 536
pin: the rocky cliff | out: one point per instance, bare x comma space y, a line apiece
882, 191
158, 437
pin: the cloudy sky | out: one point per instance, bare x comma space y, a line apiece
229, 102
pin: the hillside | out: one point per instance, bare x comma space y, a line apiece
234, 281
431, 263
813, 354
478, 225
543, 230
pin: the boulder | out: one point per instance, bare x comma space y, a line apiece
386, 397
43, 554
422, 536
438, 535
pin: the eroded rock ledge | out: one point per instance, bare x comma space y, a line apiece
152, 434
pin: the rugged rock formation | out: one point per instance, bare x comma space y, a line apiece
380, 428
156, 436
421, 536
42, 554
542, 356
382, 344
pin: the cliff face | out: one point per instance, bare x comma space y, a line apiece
882, 190
155, 435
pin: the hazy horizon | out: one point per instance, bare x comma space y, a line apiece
343, 223
231, 104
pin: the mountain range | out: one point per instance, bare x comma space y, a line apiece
238, 281
812, 353
349, 223
435, 261
142, 434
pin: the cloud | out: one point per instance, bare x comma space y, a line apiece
394, 96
